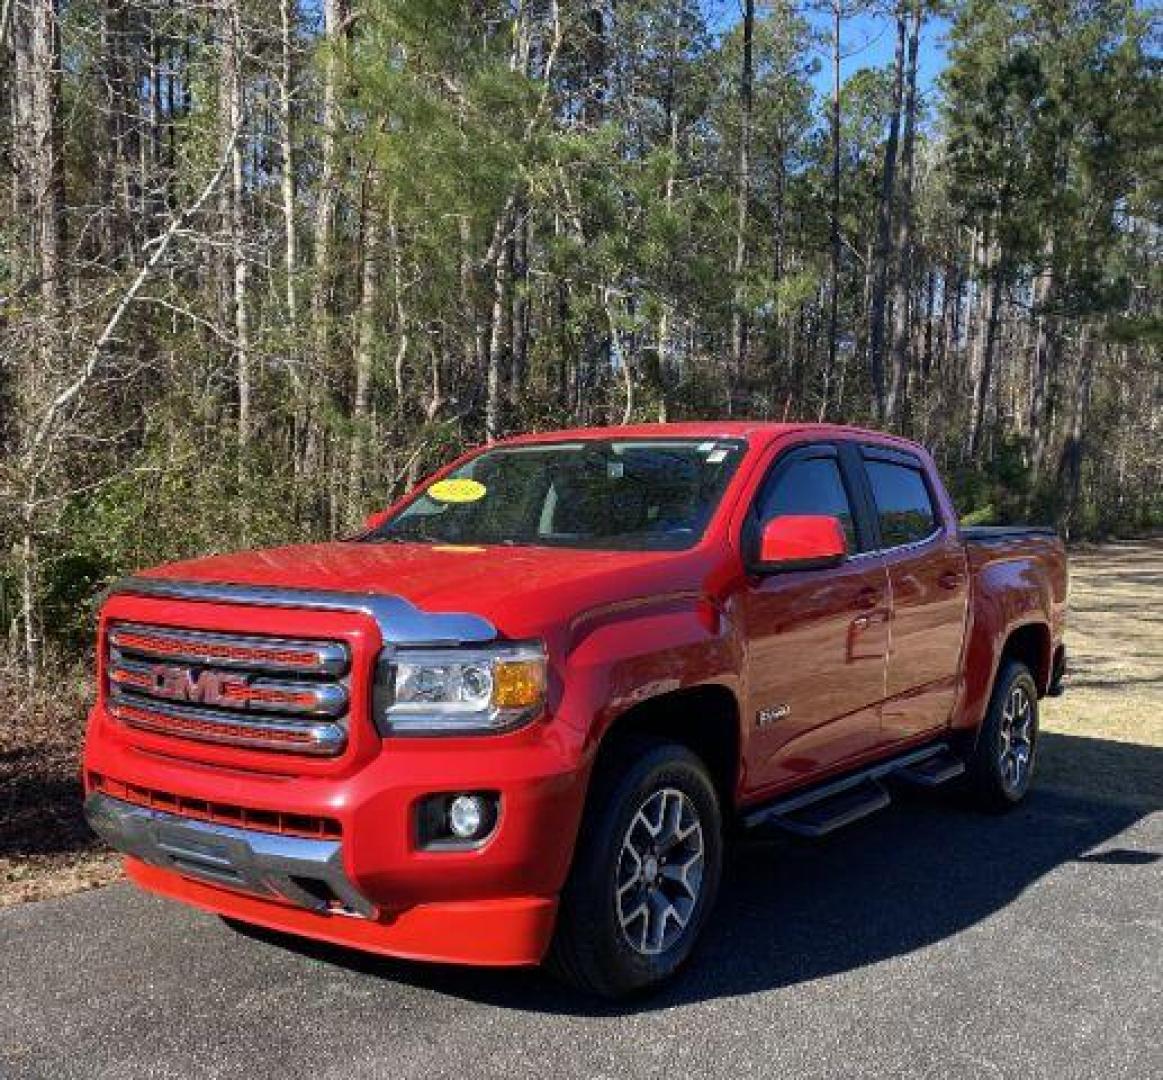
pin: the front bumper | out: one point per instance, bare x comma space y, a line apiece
300, 871
512, 932
491, 905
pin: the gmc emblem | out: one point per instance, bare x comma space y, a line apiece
204, 687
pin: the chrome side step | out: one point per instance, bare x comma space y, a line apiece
837, 803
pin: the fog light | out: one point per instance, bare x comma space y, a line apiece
457, 820
466, 816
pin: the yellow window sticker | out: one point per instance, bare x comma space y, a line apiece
456, 491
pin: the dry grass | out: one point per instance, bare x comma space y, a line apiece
46, 849
1115, 692
1114, 640
1114, 689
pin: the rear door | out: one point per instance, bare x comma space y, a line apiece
928, 584
817, 639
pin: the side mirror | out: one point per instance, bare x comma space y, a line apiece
801, 542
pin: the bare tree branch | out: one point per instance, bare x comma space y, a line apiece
160, 246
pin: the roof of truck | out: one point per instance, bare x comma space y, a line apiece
752, 430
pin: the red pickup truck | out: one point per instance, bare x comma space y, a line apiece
518, 717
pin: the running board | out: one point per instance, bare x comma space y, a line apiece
933, 772
827, 815
832, 805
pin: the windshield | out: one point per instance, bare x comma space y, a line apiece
617, 495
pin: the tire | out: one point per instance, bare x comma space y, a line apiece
1002, 763
637, 899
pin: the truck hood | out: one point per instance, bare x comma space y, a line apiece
520, 590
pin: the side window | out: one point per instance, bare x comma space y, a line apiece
903, 503
810, 486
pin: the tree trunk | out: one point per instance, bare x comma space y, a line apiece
286, 136
28, 599
1045, 362
493, 377
114, 215
984, 380
334, 21
153, 145
930, 318
40, 178
882, 259
520, 307
974, 320
834, 214
904, 230
364, 356
40, 197
400, 312
233, 201
617, 347
1070, 467
662, 332
742, 197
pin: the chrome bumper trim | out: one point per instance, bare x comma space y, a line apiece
260, 863
400, 622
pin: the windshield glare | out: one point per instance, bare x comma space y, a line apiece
617, 495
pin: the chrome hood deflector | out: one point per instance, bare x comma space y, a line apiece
400, 622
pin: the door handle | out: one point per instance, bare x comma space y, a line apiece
867, 599
949, 580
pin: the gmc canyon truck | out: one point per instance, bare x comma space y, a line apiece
520, 715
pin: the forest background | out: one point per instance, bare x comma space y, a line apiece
264, 263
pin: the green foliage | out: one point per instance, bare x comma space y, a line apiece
984, 515
998, 489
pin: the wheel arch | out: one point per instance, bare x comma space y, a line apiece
704, 718
1030, 644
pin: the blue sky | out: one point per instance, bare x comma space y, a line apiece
867, 40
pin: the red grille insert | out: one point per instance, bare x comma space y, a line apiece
212, 651
242, 817
212, 730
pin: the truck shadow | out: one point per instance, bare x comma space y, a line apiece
927, 868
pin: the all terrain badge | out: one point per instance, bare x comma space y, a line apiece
766, 717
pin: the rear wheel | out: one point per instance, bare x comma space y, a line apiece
1002, 764
646, 871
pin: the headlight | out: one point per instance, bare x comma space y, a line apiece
459, 691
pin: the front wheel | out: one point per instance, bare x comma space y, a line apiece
646, 872
1003, 760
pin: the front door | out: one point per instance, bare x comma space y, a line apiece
817, 639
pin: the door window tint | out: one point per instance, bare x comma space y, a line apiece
812, 486
903, 503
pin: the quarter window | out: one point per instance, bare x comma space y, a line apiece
810, 486
903, 503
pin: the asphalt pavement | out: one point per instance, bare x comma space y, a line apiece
927, 941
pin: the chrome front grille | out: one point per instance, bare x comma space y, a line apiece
259, 692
